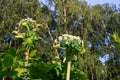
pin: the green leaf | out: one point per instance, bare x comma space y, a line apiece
7, 73
41, 70
57, 72
21, 62
20, 70
24, 24
0, 65
77, 74
29, 40
21, 51
12, 52
33, 53
8, 61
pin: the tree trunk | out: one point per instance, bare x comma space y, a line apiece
65, 17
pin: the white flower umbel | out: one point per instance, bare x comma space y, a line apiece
26, 19
67, 36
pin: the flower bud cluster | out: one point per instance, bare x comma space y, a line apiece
26, 20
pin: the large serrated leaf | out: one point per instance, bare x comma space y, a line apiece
7, 73
8, 61
12, 52
0, 65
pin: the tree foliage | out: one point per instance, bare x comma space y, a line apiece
96, 25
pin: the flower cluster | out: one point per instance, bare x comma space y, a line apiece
26, 26
67, 37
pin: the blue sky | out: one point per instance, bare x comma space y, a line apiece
93, 2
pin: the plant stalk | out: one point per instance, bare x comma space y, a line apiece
27, 57
68, 70
26, 63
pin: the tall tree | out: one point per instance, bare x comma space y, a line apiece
12, 12
94, 25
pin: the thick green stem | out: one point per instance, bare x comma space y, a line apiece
68, 70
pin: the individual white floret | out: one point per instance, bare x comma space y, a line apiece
71, 37
79, 41
60, 38
78, 38
65, 37
56, 41
82, 43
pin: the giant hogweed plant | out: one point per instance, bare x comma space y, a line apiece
12, 64
27, 29
19, 64
72, 45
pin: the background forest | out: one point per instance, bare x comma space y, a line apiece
98, 26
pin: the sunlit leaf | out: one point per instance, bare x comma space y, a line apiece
20, 71
21, 62
24, 24
15, 32
19, 36
33, 52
